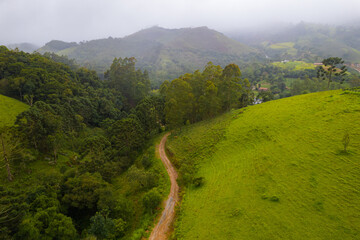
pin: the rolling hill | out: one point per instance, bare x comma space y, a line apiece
9, 109
276, 170
306, 41
166, 53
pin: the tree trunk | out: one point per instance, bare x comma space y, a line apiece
6, 160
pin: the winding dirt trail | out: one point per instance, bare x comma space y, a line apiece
162, 228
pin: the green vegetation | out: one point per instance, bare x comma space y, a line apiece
165, 53
307, 42
9, 109
275, 170
288, 47
333, 68
203, 95
76, 164
294, 65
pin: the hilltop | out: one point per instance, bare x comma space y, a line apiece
9, 109
165, 53
306, 41
274, 171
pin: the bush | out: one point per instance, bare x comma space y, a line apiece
274, 199
151, 200
199, 181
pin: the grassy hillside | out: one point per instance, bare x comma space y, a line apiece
166, 53
275, 171
295, 65
9, 109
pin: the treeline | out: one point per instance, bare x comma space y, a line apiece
90, 131
202, 95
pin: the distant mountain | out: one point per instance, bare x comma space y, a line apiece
26, 47
305, 41
166, 53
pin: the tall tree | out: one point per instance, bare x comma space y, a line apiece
179, 103
10, 150
230, 86
334, 66
132, 83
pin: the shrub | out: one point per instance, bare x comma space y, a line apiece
274, 199
151, 200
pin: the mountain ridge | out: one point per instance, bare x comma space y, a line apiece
165, 53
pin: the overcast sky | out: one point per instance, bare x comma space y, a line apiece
39, 21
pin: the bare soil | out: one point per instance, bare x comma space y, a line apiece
162, 229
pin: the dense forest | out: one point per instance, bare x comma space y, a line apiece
86, 132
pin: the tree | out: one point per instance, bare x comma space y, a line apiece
334, 66
151, 200
10, 150
230, 87
127, 134
179, 103
83, 191
101, 227
132, 83
346, 140
209, 103
61, 228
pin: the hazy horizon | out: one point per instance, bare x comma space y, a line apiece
40, 21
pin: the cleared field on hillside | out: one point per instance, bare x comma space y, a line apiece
275, 171
285, 46
9, 109
295, 65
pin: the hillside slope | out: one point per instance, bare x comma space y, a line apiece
9, 109
166, 53
275, 171
306, 41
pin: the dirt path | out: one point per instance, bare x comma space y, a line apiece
162, 228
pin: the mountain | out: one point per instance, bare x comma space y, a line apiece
306, 41
26, 47
276, 170
165, 53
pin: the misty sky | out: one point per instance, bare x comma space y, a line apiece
39, 21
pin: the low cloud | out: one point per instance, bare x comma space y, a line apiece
39, 21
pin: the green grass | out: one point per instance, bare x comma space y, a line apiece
282, 45
295, 65
9, 109
277, 171
287, 46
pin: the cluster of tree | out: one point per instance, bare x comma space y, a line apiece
202, 95
101, 127
259, 72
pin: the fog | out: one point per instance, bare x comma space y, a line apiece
39, 21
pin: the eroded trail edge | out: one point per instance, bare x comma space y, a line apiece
162, 228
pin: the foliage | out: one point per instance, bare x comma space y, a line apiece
101, 227
133, 84
66, 152
165, 53
202, 95
331, 70
151, 200
346, 141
